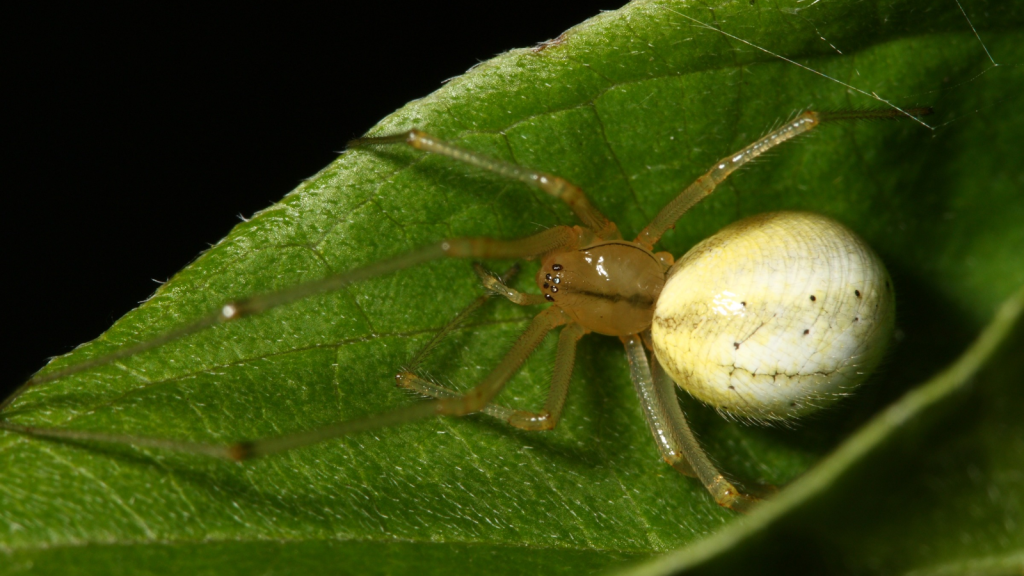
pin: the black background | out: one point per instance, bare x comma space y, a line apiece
136, 139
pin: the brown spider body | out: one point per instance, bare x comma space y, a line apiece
598, 282
608, 287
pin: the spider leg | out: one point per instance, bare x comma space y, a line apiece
565, 358
706, 184
556, 238
420, 385
498, 286
547, 419
555, 186
473, 400
675, 440
408, 379
466, 312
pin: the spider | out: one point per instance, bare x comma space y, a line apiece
771, 318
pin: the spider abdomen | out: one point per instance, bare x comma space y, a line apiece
774, 316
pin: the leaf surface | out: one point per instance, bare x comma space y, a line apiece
632, 106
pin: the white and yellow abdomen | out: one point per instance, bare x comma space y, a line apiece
774, 316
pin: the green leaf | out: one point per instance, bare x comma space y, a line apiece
633, 105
